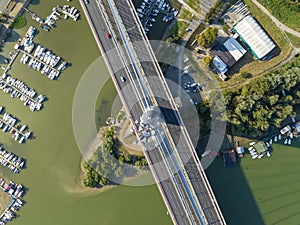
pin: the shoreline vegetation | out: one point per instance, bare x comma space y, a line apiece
107, 161
19, 22
265, 103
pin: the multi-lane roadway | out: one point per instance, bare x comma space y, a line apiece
173, 162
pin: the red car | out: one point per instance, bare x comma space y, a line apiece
108, 36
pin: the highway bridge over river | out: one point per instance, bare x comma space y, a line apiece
153, 112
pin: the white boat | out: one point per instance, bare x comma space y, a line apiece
268, 154
260, 156
275, 139
289, 141
251, 148
139, 10
252, 143
254, 156
55, 17
267, 144
285, 141
291, 135
271, 141
23, 128
279, 137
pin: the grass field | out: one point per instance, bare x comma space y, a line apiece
185, 15
194, 4
255, 67
286, 11
294, 40
259, 192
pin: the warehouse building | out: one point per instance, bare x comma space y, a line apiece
254, 37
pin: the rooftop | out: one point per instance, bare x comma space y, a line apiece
254, 36
260, 147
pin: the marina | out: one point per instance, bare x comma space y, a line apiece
45, 61
9, 123
69, 11
16, 191
57, 11
18, 89
10, 160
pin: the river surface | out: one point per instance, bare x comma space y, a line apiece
54, 195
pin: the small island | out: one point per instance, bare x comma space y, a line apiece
108, 159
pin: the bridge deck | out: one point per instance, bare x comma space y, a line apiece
150, 68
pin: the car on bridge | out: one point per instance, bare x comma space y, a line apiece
123, 79
108, 36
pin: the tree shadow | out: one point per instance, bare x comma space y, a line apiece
13, 36
35, 2
2, 59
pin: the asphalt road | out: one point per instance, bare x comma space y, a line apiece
167, 187
195, 175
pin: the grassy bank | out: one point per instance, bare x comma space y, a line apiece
294, 40
287, 11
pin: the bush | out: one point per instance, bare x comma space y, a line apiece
19, 22
245, 74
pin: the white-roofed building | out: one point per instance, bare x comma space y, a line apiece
219, 64
235, 49
253, 35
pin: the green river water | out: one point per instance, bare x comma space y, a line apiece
54, 195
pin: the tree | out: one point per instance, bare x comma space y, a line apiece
245, 75
127, 157
119, 172
207, 60
208, 38
260, 105
121, 159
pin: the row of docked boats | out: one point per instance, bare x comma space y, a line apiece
16, 191
31, 32
255, 155
46, 56
287, 139
10, 160
8, 123
18, 89
45, 61
69, 11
